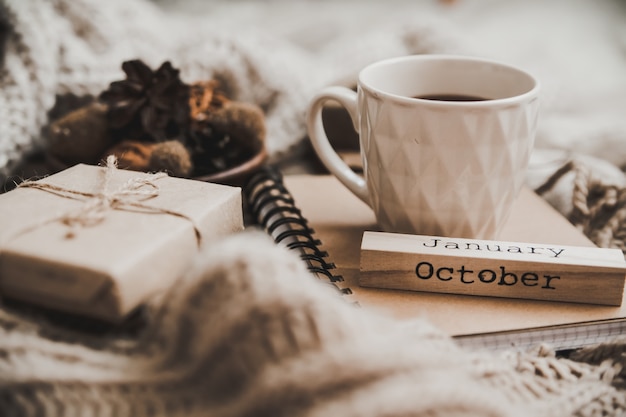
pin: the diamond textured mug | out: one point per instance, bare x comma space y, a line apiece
445, 142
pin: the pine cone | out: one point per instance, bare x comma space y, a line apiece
148, 103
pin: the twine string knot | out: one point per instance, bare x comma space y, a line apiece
96, 205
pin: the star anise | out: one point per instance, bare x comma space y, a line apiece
148, 103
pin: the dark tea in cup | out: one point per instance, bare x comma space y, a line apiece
451, 97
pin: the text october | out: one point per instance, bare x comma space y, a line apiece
426, 270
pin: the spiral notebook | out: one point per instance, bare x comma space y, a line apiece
317, 216
271, 205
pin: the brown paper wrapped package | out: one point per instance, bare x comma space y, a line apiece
107, 269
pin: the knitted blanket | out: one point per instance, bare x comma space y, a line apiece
248, 331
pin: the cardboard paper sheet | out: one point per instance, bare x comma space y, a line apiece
339, 220
107, 270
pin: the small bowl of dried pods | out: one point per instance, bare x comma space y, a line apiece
152, 121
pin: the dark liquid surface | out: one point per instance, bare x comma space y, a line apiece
451, 97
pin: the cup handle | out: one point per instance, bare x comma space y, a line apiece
348, 99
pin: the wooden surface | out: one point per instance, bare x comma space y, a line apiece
492, 268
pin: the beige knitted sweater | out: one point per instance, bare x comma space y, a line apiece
249, 332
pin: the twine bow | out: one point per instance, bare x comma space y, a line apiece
130, 196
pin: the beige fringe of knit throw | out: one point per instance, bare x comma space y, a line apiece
598, 209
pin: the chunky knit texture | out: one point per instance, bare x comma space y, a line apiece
77, 47
248, 332
53, 48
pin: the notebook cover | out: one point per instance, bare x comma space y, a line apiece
339, 219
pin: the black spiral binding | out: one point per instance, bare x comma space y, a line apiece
272, 206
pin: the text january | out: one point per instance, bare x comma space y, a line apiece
493, 247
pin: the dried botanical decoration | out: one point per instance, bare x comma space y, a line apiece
170, 156
148, 103
154, 121
223, 133
204, 97
65, 135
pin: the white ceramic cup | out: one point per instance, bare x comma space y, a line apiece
436, 167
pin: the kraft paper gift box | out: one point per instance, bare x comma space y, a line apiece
105, 267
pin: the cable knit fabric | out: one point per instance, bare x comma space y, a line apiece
248, 331
52, 48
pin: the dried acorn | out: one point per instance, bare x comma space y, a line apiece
80, 135
170, 156
132, 154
